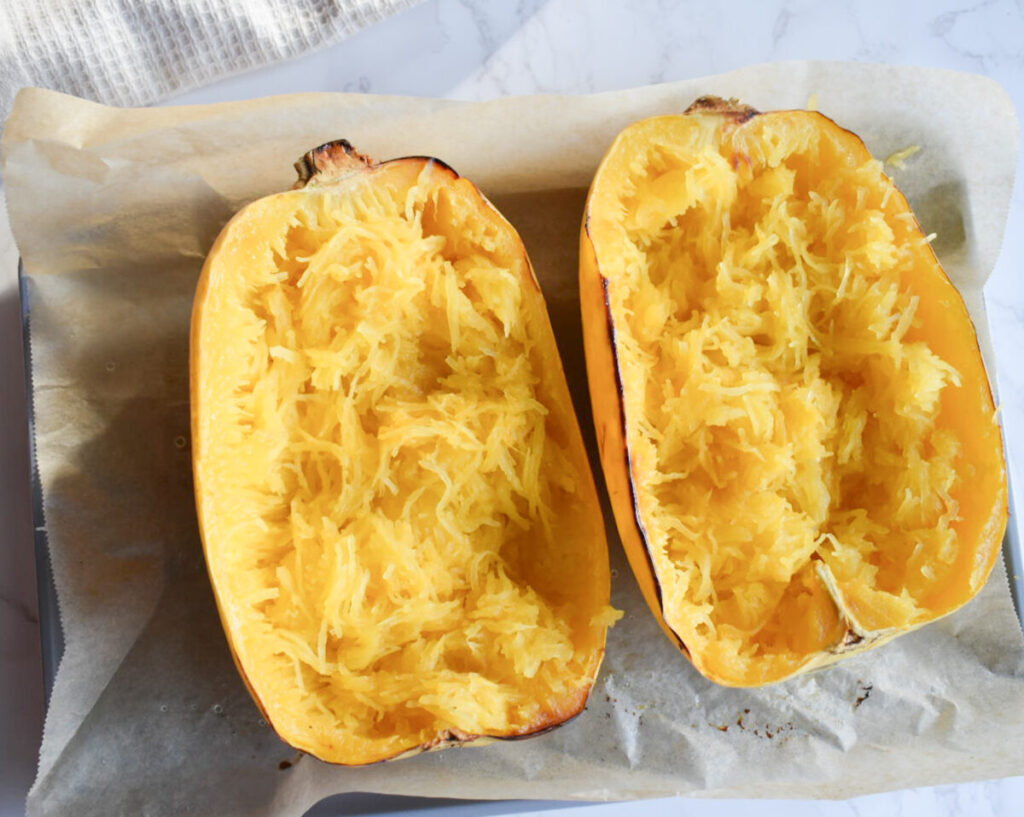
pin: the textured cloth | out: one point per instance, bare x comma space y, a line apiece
132, 52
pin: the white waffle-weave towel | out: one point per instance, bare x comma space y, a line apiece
132, 52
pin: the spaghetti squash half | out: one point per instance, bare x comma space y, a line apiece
399, 519
795, 422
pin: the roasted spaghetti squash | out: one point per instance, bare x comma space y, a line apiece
399, 519
795, 423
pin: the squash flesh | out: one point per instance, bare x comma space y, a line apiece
393, 487
796, 420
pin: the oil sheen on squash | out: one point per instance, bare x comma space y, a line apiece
811, 440
400, 520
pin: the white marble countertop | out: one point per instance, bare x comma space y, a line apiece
477, 50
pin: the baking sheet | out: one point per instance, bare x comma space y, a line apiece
52, 640
147, 708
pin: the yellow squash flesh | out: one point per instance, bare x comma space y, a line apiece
794, 419
398, 516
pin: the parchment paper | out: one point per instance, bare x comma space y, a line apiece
113, 211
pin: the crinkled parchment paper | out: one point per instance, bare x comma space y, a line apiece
113, 211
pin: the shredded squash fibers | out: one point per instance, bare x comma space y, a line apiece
783, 401
397, 506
